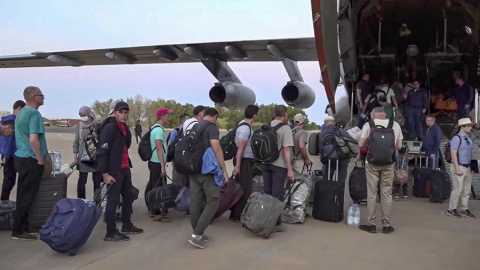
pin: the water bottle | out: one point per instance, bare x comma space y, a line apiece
57, 163
356, 217
350, 216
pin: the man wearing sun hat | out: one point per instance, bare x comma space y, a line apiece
300, 140
461, 150
158, 161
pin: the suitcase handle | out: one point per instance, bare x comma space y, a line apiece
422, 154
99, 193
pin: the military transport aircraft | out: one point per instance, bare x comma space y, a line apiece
351, 37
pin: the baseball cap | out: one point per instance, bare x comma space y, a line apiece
198, 109
112, 106
163, 111
329, 118
299, 118
121, 105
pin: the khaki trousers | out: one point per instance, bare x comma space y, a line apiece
461, 187
384, 176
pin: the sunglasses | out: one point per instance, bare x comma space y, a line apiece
466, 140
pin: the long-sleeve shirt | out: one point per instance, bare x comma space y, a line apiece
431, 142
464, 95
418, 99
7, 144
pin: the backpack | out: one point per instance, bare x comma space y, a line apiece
91, 143
227, 142
171, 146
189, 152
347, 148
328, 148
381, 144
264, 143
448, 153
145, 147
401, 175
374, 101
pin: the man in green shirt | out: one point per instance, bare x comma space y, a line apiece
386, 106
29, 158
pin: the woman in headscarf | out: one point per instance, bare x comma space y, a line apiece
80, 156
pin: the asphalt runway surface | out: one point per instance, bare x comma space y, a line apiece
424, 238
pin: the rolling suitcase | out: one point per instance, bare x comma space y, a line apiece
70, 224
328, 198
230, 194
357, 184
261, 214
422, 179
440, 186
7, 216
51, 190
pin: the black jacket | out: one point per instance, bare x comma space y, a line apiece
110, 147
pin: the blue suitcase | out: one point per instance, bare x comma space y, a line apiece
70, 225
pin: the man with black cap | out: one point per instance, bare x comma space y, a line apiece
198, 116
114, 164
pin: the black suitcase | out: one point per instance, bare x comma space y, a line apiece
422, 179
357, 184
51, 190
440, 186
328, 198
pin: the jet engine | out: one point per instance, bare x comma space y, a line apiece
298, 94
232, 95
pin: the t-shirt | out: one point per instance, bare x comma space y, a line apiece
389, 93
300, 135
29, 121
383, 122
125, 164
210, 133
158, 133
464, 149
365, 87
244, 133
174, 134
189, 124
284, 139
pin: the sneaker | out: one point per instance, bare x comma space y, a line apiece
467, 213
131, 230
24, 237
387, 230
196, 241
280, 228
116, 237
453, 213
368, 228
397, 197
204, 238
405, 198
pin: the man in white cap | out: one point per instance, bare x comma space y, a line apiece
326, 141
300, 140
461, 150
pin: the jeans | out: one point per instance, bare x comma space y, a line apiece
274, 178
29, 176
415, 123
462, 112
82, 181
396, 189
123, 185
203, 188
360, 120
9, 177
245, 179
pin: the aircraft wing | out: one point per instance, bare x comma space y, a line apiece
297, 49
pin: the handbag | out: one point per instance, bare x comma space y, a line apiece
401, 175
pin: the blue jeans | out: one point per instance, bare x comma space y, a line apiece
462, 112
415, 123
360, 120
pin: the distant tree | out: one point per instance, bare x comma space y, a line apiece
101, 108
138, 109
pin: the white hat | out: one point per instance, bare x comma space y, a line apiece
464, 122
328, 118
112, 106
299, 119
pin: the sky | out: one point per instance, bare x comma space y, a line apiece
58, 25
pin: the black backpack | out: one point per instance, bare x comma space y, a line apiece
189, 151
227, 142
264, 143
381, 144
374, 101
171, 147
328, 148
91, 142
145, 147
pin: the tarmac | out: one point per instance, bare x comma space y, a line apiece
424, 238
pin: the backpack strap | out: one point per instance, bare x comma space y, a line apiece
390, 124
244, 124
371, 124
275, 128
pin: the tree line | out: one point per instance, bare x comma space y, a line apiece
144, 109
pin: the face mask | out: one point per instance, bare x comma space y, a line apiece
85, 118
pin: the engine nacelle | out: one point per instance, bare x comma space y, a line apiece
232, 95
298, 94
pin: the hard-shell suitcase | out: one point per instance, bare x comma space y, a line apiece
51, 190
328, 198
440, 186
422, 179
261, 214
7, 216
70, 224
230, 194
357, 184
